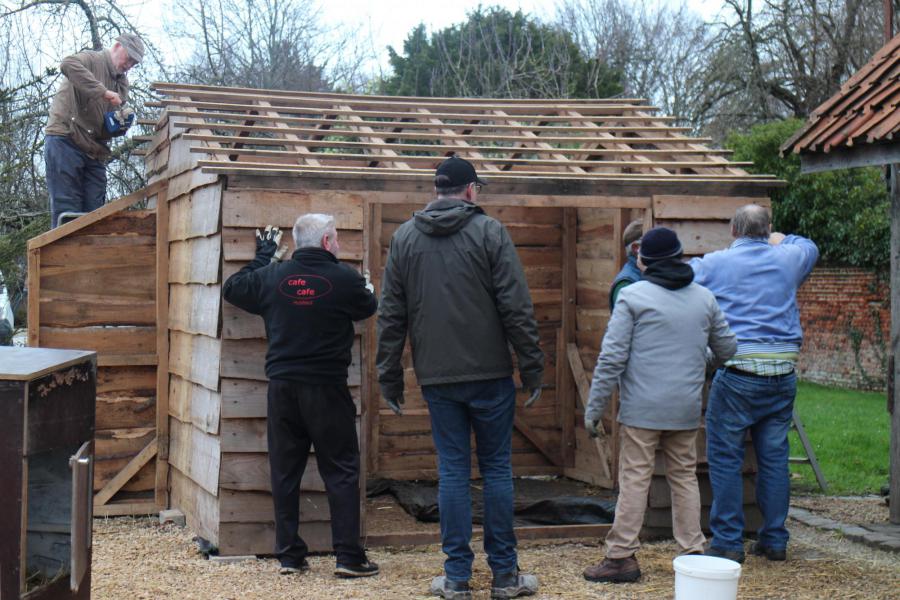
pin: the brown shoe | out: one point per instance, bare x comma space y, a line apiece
614, 570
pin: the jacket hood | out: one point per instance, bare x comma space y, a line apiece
670, 273
444, 217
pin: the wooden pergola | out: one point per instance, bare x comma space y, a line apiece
856, 127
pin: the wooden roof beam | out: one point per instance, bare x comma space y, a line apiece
606, 136
342, 127
408, 125
559, 156
455, 137
375, 138
306, 110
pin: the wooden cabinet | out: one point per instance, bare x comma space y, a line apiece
46, 461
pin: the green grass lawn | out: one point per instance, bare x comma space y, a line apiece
849, 431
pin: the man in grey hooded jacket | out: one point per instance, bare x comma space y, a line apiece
454, 282
655, 349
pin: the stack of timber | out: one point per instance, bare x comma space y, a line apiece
92, 287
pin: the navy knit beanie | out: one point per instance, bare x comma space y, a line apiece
659, 243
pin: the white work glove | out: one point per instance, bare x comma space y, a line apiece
535, 395
267, 241
395, 404
369, 285
593, 425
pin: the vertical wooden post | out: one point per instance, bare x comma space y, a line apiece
161, 494
565, 396
34, 297
893, 404
372, 260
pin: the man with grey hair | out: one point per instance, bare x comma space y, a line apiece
87, 112
308, 304
755, 282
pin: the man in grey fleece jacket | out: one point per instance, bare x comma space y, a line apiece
655, 349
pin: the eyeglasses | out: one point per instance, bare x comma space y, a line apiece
478, 186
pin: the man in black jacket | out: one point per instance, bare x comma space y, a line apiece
453, 280
308, 304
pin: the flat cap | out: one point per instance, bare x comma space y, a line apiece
133, 44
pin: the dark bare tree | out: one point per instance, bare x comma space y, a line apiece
658, 49
271, 44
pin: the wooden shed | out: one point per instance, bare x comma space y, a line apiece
565, 177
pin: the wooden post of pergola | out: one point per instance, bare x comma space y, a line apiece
857, 127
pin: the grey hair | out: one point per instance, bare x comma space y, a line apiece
310, 228
751, 221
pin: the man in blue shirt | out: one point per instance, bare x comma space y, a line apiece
755, 282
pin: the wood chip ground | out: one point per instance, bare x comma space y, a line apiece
136, 559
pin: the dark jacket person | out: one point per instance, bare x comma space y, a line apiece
308, 304
454, 282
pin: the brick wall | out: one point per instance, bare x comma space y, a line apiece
846, 317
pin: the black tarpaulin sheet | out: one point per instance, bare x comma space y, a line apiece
537, 501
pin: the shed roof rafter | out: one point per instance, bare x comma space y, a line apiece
297, 132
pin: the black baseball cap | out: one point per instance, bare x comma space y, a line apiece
454, 172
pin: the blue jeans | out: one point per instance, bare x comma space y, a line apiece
487, 407
76, 182
764, 406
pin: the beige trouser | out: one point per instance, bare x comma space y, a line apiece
636, 460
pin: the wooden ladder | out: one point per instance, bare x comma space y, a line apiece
810, 457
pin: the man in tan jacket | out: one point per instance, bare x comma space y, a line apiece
77, 144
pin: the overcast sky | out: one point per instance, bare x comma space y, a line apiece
388, 22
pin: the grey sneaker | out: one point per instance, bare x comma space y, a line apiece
450, 590
294, 569
513, 585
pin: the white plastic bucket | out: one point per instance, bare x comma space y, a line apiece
699, 577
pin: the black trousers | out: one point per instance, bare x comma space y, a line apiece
323, 416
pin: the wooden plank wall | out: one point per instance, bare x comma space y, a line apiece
97, 292
245, 504
405, 449
193, 262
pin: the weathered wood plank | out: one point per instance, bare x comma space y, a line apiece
114, 448
126, 381
239, 244
112, 340
200, 508
196, 454
194, 404
256, 208
195, 358
246, 399
246, 359
195, 260
250, 472
117, 411
128, 471
717, 208
195, 308
195, 214
256, 507
90, 309
248, 435
700, 237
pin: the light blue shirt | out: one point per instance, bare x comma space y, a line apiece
755, 284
